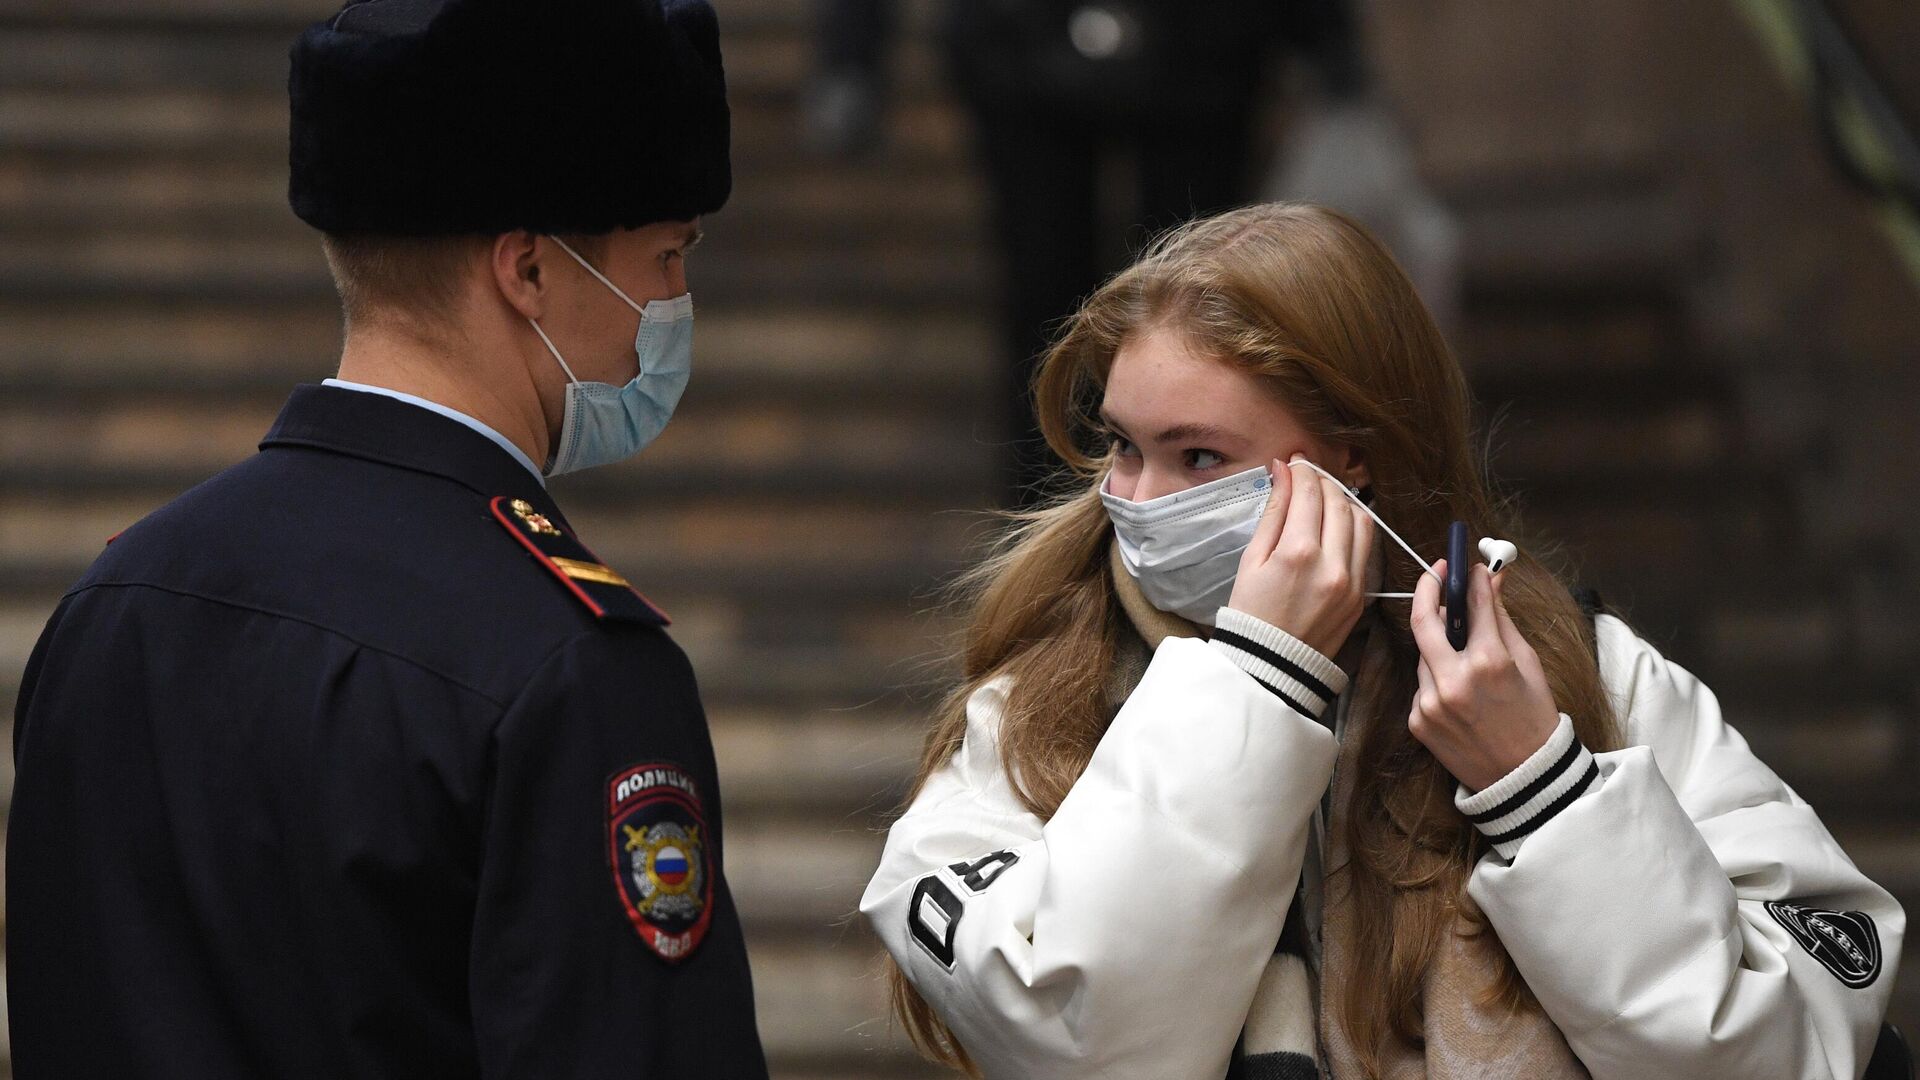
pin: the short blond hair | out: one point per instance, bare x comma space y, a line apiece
416, 281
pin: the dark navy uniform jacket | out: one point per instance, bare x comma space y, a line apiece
342, 765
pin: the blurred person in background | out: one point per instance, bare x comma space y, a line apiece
1216, 795
353, 760
1060, 92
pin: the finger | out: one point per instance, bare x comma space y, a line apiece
1483, 626
1421, 719
1509, 633
1267, 533
1517, 645
1429, 628
1361, 559
1303, 509
1336, 524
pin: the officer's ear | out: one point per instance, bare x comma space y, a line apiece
520, 269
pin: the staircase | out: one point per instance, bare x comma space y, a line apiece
157, 299
825, 471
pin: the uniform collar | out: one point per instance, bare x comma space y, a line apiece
380, 428
450, 413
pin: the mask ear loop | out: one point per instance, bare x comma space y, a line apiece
1351, 497
554, 351
604, 280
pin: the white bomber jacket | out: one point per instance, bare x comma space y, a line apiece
1676, 908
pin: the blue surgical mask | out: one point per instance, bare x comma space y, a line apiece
604, 423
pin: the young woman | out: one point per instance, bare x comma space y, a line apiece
1203, 806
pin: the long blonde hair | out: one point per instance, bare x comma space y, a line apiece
1304, 299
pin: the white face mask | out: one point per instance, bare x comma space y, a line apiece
1184, 549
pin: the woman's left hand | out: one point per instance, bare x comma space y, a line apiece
1482, 711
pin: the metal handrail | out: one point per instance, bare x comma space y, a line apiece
1866, 135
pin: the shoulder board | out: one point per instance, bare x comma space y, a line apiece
592, 582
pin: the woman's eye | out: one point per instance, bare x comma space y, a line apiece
1200, 460
1119, 445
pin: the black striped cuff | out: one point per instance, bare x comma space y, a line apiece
1509, 810
1285, 665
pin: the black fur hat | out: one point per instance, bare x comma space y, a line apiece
421, 117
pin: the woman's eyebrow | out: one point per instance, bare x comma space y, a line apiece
1176, 433
1195, 433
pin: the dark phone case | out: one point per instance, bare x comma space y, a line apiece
1457, 568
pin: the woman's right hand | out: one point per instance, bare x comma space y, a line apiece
1305, 568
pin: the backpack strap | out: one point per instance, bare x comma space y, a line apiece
1593, 607
1590, 602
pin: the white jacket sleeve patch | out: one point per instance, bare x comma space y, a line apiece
1065, 949
1689, 915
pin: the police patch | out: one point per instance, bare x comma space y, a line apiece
1844, 942
657, 841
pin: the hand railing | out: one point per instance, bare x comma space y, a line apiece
1870, 141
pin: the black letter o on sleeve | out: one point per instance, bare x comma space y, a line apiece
933, 918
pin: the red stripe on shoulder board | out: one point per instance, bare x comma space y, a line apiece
498, 505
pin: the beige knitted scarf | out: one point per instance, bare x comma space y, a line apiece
1465, 1036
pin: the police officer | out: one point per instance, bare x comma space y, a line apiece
354, 760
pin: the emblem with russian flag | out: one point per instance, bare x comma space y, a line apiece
657, 844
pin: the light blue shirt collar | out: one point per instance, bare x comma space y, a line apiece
455, 415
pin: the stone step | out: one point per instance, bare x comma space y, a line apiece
801, 877
1643, 544
1844, 746
807, 795
823, 1011
1849, 761
1596, 443
201, 14
885, 436
793, 16
816, 559
1510, 345
783, 352
841, 769
1582, 241
858, 762
890, 661
133, 348
166, 266
763, 61
66, 203
737, 417
805, 236
249, 125
1846, 757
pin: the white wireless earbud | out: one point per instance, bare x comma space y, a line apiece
1498, 553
